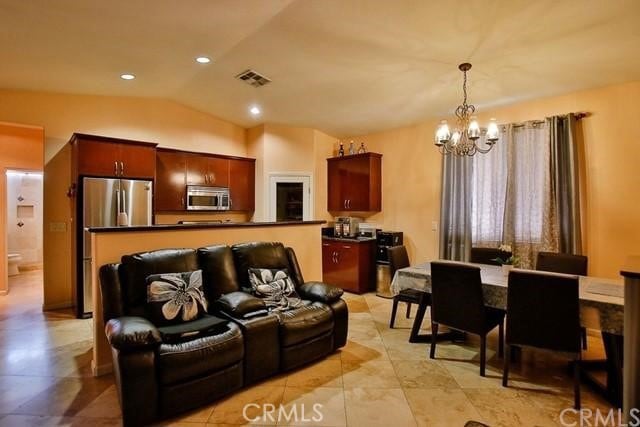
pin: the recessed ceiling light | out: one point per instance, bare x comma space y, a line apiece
127, 76
203, 60
255, 110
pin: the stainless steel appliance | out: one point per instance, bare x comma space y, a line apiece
349, 225
203, 198
367, 229
108, 202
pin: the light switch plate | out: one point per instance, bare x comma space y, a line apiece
434, 225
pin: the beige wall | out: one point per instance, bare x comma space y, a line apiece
411, 173
147, 119
21, 147
287, 149
109, 247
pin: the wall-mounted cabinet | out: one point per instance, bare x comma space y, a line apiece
354, 183
176, 169
112, 157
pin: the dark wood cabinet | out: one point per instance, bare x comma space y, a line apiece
171, 184
207, 170
354, 183
113, 157
176, 169
349, 265
242, 184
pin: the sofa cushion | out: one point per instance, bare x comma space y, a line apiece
258, 255
275, 287
178, 362
135, 269
174, 298
303, 323
218, 271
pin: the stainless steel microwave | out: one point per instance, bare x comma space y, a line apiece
203, 198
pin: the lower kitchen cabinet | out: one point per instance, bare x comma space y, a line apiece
349, 264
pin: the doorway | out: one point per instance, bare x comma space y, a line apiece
290, 197
24, 231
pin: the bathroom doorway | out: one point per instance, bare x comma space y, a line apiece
290, 197
24, 231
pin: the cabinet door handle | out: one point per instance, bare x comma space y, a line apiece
347, 247
115, 168
344, 203
349, 203
182, 201
325, 244
121, 168
212, 178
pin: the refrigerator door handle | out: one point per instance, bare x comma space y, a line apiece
124, 197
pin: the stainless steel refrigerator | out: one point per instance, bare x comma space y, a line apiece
109, 202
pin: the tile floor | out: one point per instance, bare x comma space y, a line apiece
377, 379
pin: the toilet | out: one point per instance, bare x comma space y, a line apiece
14, 260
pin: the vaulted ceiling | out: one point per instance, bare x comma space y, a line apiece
342, 66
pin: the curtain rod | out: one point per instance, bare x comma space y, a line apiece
579, 115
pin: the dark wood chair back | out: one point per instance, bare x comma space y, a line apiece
562, 263
398, 258
487, 255
543, 311
456, 297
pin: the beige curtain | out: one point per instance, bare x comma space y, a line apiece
530, 218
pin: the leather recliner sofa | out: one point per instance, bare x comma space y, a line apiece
157, 379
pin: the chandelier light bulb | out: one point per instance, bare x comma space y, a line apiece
443, 135
492, 131
455, 137
474, 129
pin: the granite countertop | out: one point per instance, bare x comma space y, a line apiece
198, 225
349, 239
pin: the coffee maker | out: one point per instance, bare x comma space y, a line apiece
346, 226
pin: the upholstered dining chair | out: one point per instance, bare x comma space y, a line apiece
543, 312
458, 303
567, 264
487, 255
398, 258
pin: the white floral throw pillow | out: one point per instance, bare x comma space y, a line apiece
275, 287
171, 294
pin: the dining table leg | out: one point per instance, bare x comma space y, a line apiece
417, 337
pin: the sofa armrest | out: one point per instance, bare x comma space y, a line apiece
240, 304
129, 333
318, 291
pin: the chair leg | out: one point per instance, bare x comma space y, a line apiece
408, 310
576, 383
505, 367
434, 340
584, 338
417, 322
483, 354
394, 309
501, 339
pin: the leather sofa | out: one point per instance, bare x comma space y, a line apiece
157, 379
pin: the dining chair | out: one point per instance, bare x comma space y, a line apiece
567, 264
543, 312
398, 258
458, 303
487, 255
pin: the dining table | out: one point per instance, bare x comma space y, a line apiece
601, 308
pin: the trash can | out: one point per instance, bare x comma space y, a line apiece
383, 281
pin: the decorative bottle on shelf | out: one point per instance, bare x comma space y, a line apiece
341, 150
362, 150
352, 149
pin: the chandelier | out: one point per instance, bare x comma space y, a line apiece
464, 139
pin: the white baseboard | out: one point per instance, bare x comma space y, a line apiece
57, 306
103, 369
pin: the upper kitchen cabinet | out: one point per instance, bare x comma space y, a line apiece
207, 170
242, 184
355, 183
113, 157
171, 167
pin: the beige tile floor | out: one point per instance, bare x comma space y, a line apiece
377, 379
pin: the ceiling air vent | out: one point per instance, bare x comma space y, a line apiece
253, 78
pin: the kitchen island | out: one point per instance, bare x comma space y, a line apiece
109, 244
